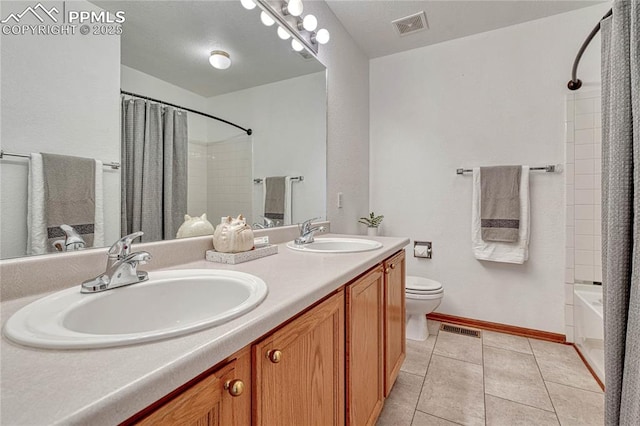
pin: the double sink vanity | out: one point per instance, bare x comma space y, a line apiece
311, 335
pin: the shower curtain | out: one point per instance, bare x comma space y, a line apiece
621, 211
154, 169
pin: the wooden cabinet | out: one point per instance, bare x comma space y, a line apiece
222, 398
296, 374
394, 318
365, 354
299, 369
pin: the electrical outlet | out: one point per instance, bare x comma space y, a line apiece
339, 200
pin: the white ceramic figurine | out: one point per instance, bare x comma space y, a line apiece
195, 226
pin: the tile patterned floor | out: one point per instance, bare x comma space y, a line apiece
497, 380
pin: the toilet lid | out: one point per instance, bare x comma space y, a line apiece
420, 285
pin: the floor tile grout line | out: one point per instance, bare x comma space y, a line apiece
544, 383
521, 403
438, 417
424, 379
574, 387
506, 349
455, 359
484, 387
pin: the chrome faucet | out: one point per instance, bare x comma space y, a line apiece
122, 267
307, 231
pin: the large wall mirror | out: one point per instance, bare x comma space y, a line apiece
61, 94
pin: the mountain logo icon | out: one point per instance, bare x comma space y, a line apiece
38, 11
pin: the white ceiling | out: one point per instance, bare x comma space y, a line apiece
369, 21
172, 40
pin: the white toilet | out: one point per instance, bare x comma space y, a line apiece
422, 296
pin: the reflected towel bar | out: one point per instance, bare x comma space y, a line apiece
293, 179
551, 168
114, 165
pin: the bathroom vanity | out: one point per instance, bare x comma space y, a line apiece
326, 344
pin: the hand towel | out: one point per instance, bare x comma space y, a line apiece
70, 187
36, 222
277, 199
517, 252
500, 203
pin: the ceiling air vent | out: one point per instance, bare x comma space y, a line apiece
411, 24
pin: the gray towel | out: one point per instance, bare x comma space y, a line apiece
69, 197
500, 203
274, 197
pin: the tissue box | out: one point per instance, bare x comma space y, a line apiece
245, 256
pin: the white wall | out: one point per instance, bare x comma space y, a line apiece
59, 94
347, 123
289, 134
488, 99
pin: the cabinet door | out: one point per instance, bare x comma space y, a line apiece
221, 399
394, 294
365, 354
299, 369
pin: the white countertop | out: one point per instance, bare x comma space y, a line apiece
107, 386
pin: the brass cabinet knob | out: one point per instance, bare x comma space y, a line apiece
274, 356
393, 266
235, 387
386, 270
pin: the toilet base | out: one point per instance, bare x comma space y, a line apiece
417, 327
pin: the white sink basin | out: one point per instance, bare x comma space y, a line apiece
336, 245
170, 304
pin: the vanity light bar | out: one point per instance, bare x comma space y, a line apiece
280, 20
114, 165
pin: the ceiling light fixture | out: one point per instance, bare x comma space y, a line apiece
248, 4
220, 59
322, 36
283, 34
266, 19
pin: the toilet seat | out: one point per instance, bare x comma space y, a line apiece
420, 285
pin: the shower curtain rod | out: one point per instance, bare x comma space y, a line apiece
575, 83
248, 131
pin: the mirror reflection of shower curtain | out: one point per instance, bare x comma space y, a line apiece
154, 169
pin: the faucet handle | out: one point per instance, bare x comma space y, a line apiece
122, 247
304, 226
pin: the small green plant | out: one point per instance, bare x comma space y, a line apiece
372, 221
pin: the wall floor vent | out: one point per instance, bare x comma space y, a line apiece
411, 24
460, 330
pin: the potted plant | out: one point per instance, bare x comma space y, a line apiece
372, 223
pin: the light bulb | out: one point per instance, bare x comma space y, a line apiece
296, 45
283, 34
248, 4
266, 19
220, 60
322, 36
310, 23
294, 7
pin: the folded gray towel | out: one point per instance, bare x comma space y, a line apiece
500, 203
274, 197
70, 196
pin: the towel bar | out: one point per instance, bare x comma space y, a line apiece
551, 168
293, 179
114, 165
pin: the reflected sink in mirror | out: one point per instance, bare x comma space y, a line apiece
336, 245
171, 303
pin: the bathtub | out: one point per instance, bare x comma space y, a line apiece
589, 325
